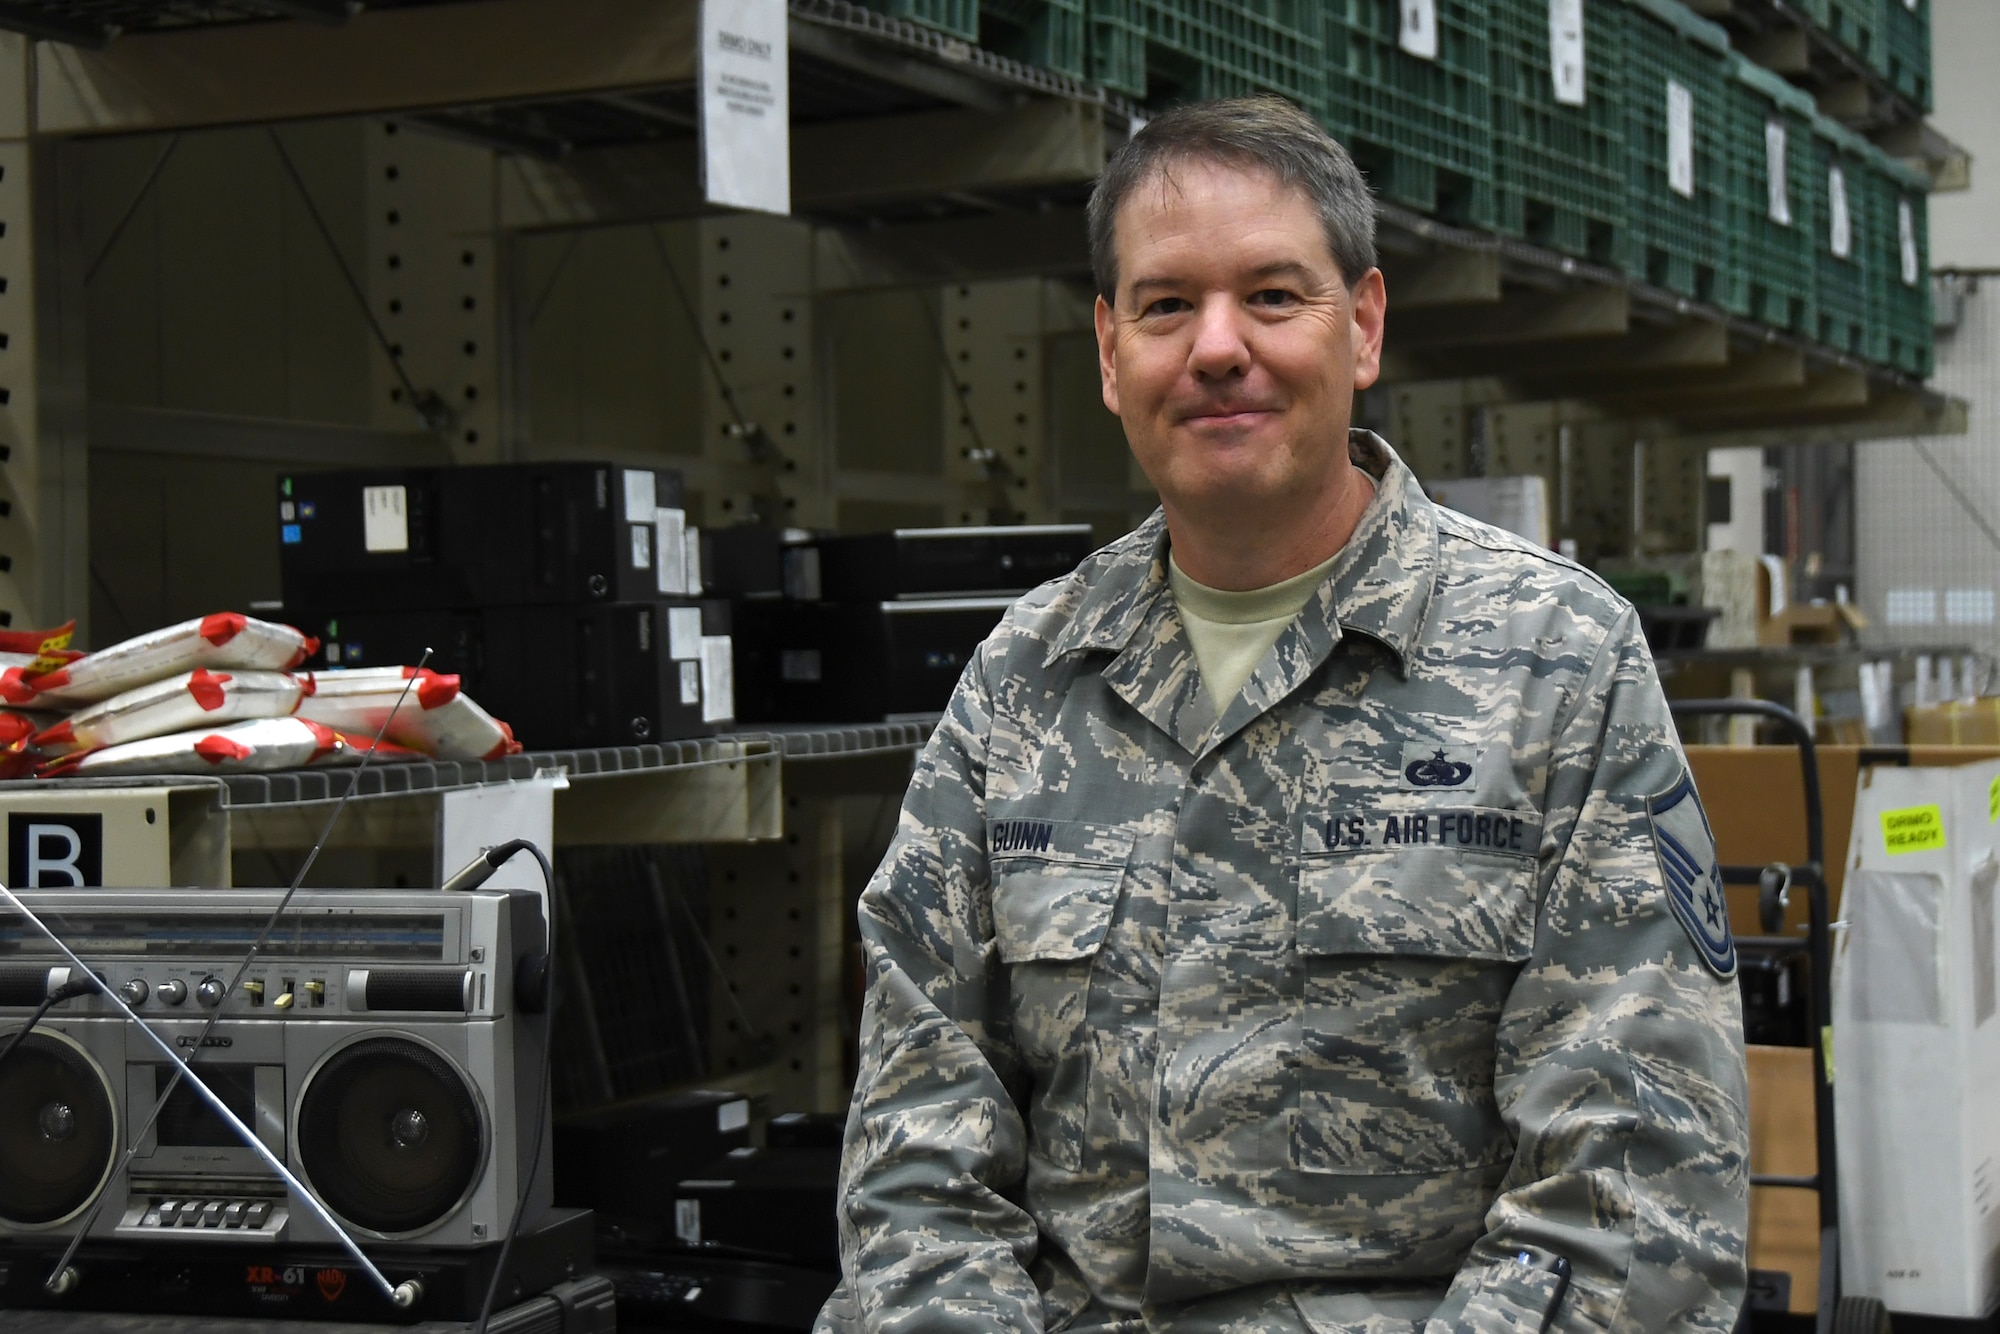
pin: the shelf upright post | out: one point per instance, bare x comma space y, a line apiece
434, 287
44, 455
994, 403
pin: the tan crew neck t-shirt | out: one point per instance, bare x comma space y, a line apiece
1230, 631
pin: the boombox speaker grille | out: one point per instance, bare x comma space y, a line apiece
389, 1135
57, 1131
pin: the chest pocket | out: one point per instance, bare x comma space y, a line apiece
1055, 885
1408, 957
1055, 888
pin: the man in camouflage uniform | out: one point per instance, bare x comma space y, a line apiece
1391, 988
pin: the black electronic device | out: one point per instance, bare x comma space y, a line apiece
745, 560
206, 1276
625, 1161
764, 1204
491, 536
805, 1130
856, 662
565, 677
936, 562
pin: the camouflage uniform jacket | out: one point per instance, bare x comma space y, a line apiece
1321, 1014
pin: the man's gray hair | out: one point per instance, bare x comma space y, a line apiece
1259, 132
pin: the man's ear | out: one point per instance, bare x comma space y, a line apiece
1107, 359
1369, 302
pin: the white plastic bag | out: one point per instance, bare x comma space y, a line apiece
256, 746
227, 640
200, 698
27, 653
431, 714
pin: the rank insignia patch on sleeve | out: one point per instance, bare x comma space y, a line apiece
1686, 849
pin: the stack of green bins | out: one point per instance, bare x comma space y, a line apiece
1235, 48
1048, 33
1114, 50
1422, 129
1907, 46
1771, 136
1855, 24
1559, 170
1898, 265
1841, 281
1685, 242
960, 18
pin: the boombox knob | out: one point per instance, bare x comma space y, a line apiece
62, 1282
407, 1294
531, 983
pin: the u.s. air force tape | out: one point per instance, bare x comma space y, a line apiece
1686, 849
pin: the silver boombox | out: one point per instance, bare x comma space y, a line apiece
376, 1046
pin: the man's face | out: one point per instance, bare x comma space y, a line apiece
1235, 347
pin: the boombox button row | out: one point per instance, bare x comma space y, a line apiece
214, 1213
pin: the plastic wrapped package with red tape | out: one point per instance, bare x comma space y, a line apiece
29, 653
197, 699
224, 641
254, 746
430, 713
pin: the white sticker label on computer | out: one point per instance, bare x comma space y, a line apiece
690, 683
1906, 236
687, 1222
385, 518
718, 680
684, 633
642, 546
1420, 29
1680, 139
641, 495
672, 551
732, 1116
1840, 233
1777, 177
691, 572
1566, 59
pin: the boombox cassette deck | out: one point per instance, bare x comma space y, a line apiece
386, 1046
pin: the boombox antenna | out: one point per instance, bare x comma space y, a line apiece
402, 1296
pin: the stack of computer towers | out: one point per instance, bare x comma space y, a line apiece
568, 597
875, 626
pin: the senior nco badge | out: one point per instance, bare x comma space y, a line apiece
1686, 849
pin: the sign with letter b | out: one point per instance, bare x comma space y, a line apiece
54, 849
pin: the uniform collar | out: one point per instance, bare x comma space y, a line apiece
1379, 587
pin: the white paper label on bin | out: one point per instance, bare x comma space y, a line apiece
385, 518
718, 681
691, 683
1420, 29
691, 572
732, 1116
1777, 179
684, 633
1566, 57
1680, 139
1906, 237
642, 546
1839, 234
687, 1221
671, 547
746, 154
641, 495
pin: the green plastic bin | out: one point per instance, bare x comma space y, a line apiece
1048, 33
1199, 49
1898, 276
1907, 24
1559, 170
1770, 134
960, 18
1115, 45
1855, 24
1841, 283
1422, 129
1686, 243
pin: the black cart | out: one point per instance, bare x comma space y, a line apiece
1836, 1314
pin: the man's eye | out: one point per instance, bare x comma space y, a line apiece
1166, 305
1272, 296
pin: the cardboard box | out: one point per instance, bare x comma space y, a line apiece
1916, 1042
1784, 1224
1812, 623
1955, 723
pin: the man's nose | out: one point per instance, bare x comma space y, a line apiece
1219, 349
